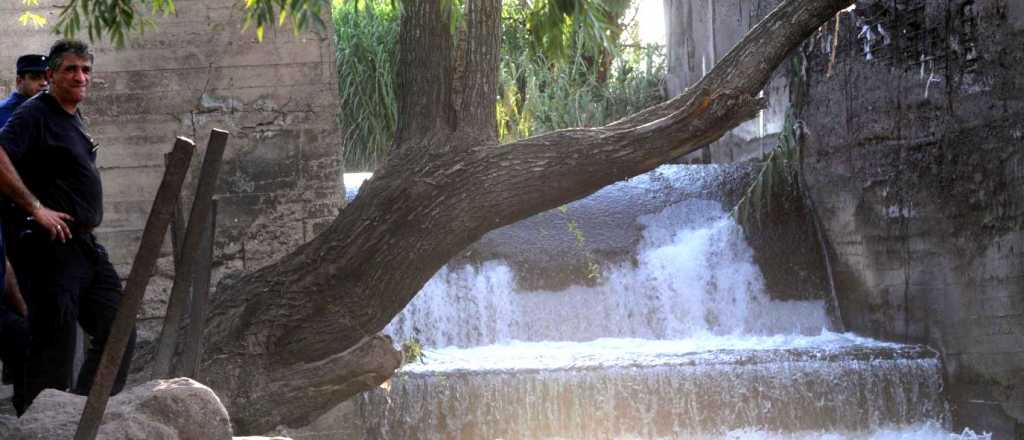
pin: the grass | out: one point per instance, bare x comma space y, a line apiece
367, 39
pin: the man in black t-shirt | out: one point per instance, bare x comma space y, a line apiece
48, 170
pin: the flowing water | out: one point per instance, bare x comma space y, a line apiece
682, 342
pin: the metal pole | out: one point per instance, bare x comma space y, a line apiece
183, 275
145, 261
200, 299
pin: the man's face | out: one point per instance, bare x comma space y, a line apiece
69, 82
30, 83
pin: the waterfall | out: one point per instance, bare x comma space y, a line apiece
694, 276
679, 341
681, 397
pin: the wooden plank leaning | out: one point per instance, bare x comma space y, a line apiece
168, 342
192, 355
177, 223
135, 288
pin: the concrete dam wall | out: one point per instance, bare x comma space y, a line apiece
909, 115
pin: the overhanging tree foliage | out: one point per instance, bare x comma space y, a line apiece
114, 20
295, 338
541, 92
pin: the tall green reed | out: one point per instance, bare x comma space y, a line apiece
367, 38
539, 92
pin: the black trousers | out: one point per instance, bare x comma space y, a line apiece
14, 343
67, 284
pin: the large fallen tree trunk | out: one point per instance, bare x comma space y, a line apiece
297, 337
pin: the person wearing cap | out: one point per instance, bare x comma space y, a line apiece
14, 328
48, 171
31, 71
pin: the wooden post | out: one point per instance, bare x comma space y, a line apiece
142, 269
193, 234
177, 223
200, 298
705, 151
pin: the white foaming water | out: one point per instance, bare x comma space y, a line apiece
629, 389
921, 431
624, 352
354, 181
694, 276
683, 344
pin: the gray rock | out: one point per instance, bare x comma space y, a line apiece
344, 421
546, 253
262, 438
7, 425
174, 409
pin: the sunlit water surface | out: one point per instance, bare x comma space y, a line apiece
629, 352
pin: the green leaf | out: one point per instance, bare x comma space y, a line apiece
282, 16
32, 19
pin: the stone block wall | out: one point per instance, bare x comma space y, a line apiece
915, 159
281, 180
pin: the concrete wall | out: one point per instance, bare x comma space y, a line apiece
917, 170
281, 179
698, 34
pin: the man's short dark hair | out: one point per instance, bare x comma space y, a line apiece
65, 46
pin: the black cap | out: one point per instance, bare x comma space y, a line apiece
31, 63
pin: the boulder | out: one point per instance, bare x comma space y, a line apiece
344, 421
7, 425
262, 438
174, 409
552, 250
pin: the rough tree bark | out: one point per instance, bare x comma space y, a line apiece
293, 339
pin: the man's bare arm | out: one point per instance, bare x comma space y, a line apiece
13, 292
15, 190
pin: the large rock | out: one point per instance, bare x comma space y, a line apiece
7, 425
175, 409
262, 438
552, 250
345, 421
